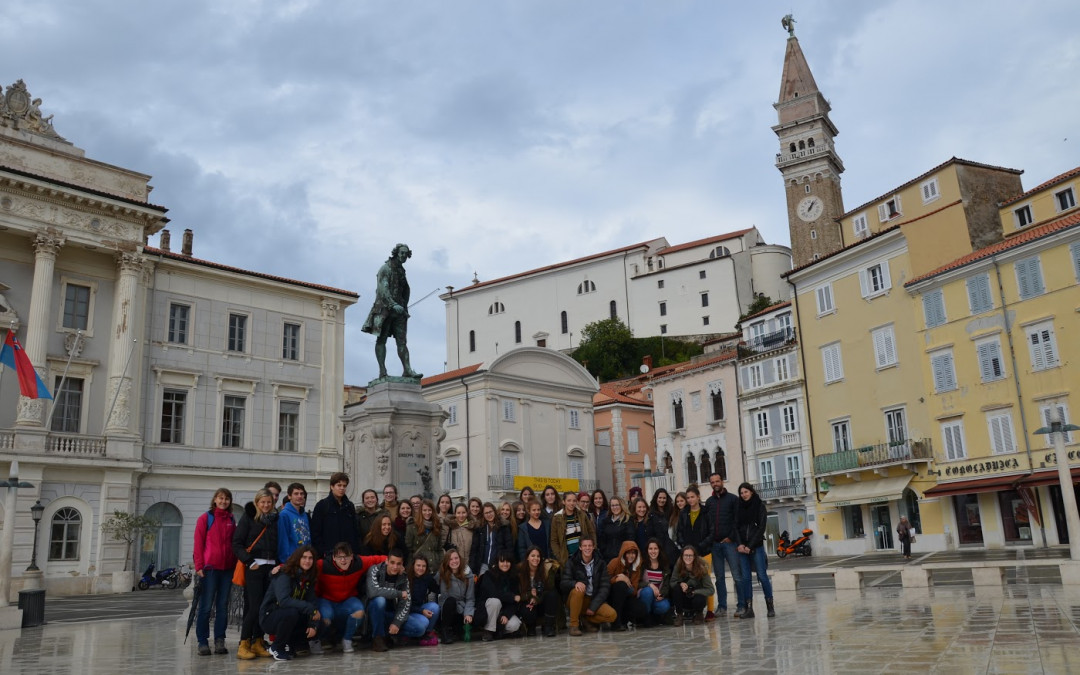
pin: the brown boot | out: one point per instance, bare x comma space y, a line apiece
244, 651
258, 647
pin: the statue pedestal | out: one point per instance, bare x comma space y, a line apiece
393, 437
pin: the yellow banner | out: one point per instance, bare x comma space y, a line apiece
537, 483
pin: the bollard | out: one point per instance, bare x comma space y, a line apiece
32, 604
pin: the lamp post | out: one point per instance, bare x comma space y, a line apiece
7, 540
1057, 431
35, 512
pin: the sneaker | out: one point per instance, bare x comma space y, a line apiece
279, 653
429, 640
204, 650
347, 647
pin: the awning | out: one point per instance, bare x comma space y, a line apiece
973, 486
1040, 478
867, 491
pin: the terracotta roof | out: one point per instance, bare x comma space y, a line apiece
227, 268
691, 366
609, 394
450, 375
1056, 179
1012, 242
704, 242
548, 268
83, 188
939, 167
768, 309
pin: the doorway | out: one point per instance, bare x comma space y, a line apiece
882, 522
1059, 511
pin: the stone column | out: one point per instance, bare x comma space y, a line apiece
331, 396
46, 248
122, 345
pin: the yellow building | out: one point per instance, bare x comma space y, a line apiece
872, 431
996, 332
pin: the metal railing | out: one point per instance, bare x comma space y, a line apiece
763, 343
795, 487
882, 454
74, 444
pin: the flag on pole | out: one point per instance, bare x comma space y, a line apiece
13, 356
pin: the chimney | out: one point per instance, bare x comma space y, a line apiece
647, 361
186, 250
163, 243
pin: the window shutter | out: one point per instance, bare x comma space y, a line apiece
934, 308
882, 213
1075, 250
979, 294
899, 209
889, 344
985, 367
879, 348
864, 283
1049, 357
886, 282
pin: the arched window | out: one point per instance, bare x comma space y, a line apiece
496, 308
517, 332
613, 310
802, 145
720, 464
162, 547
706, 465
810, 142
586, 287
565, 322
720, 252
691, 469
65, 534
791, 148
472, 341
667, 463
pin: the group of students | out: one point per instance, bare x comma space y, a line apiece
394, 571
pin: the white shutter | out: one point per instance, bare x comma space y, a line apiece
879, 349
882, 213
864, 283
886, 282
1046, 334
889, 343
1075, 250
985, 368
510, 464
979, 298
934, 308
899, 209
1001, 435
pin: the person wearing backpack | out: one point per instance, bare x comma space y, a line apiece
214, 563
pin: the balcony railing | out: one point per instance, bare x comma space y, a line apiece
763, 443
506, 483
790, 438
7, 440
874, 456
73, 444
783, 158
768, 341
782, 488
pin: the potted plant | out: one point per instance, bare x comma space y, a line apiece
128, 528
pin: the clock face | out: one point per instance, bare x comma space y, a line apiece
809, 209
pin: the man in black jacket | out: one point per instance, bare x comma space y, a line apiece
334, 519
721, 509
586, 582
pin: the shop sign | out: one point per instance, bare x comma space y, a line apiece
1051, 457
982, 468
537, 483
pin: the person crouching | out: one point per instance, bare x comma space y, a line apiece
288, 610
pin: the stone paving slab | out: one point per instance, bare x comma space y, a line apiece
889, 630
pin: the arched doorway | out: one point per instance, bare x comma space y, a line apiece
163, 547
909, 506
706, 466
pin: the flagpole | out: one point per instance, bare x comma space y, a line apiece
63, 378
116, 395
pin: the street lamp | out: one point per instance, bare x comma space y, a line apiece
35, 512
11, 486
1057, 431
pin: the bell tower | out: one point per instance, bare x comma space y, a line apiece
807, 159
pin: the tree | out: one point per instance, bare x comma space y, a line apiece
127, 527
606, 349
761, 301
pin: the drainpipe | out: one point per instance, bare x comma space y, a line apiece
468, 443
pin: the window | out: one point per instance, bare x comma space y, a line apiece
787, 414
290, 342
929, 191
564, 323
716, 402
678, 419
991, 366
498, 307
794, 468
663, 309
824, 300
783, 322
509, 464
1022, 216
766, 472
813, 234
701, 274
1043, 346
953, 433
76, 306
509, 411
603, 437
451, 410
761, 424
1029, 277
288, 426
704, 299
933, 306
841, 434
1065, 199
884, 346
632, 445
833, 362
232, 422
575, 419
663, 329
753, 374
179, 316
719, 252
67, 408
173, 408
979, 298
472, 341
659, 283
586, 287
704, 321
452, 475
1002, 439
237, 331
941, 364
691, 469
895, 425
613, 310
890, 209
874, 280
781, 366
859, 226
1063, 415
517, 332
853, 521
64, 538
577, 468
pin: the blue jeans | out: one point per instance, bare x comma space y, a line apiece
216, 586
760, 563
728, 553
339, 614
652, 605
378, 609
417, 624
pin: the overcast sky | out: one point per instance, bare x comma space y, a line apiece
305, 138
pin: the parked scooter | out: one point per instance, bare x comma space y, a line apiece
165, 578
800, 546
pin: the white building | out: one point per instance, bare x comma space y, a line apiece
179, 375
697, 288
525, 413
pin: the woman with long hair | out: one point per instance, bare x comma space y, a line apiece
750, 519
476, 510
625, 574
648, 525
539, 598
401, 524
457, 595
534, 532
690, 587
654, 582
444, 509
549, 499
613, 527
459, 534
254, 543
500, 592
598, 505
526, 495
288, 610
381, 538
214, 563
423, 613
423, 535
489, 539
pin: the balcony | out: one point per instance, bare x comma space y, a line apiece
763, 443
875, 457
7, 440
74, 445
782, 489
770, 341
506, 484
785, 158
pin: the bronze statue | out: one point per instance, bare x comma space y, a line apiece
788, 22
389, 315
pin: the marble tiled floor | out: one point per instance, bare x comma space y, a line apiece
1017, 629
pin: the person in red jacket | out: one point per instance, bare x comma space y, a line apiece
337, 589
214, 563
